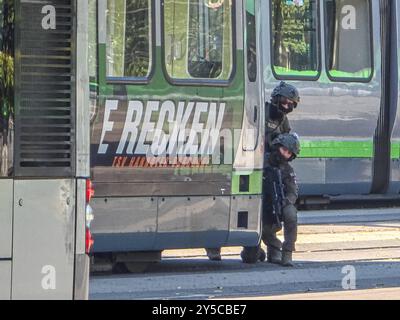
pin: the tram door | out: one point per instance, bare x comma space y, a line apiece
44, 149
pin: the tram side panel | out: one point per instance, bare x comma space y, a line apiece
44, 197
6, 201
44, 238
44, 209
189, 83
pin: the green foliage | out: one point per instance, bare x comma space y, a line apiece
293, 31
6, 57
6, 72
175, 27
92, 36
137, 40
129, 38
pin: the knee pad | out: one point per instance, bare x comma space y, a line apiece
290, 214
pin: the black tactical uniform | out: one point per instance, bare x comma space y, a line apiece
289, 211
276, 123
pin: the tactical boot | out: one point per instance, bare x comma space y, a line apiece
261, 255
287, 259
214, 254
274, 255
252, 254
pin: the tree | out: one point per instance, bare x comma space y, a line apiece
7, 61
293, 28
129, 43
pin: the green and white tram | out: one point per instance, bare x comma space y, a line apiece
177, 123
176, 140
44, 136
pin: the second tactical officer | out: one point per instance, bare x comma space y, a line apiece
284, 99
285, 148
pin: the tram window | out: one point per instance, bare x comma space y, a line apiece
251, 40
294, 38
128, 38
198, 39
348, 39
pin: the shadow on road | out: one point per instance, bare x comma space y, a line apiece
202, 279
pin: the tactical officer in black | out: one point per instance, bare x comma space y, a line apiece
284, 99
285, 148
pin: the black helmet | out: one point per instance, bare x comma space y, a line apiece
290, 141
286, 90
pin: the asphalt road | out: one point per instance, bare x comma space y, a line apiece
352, 260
